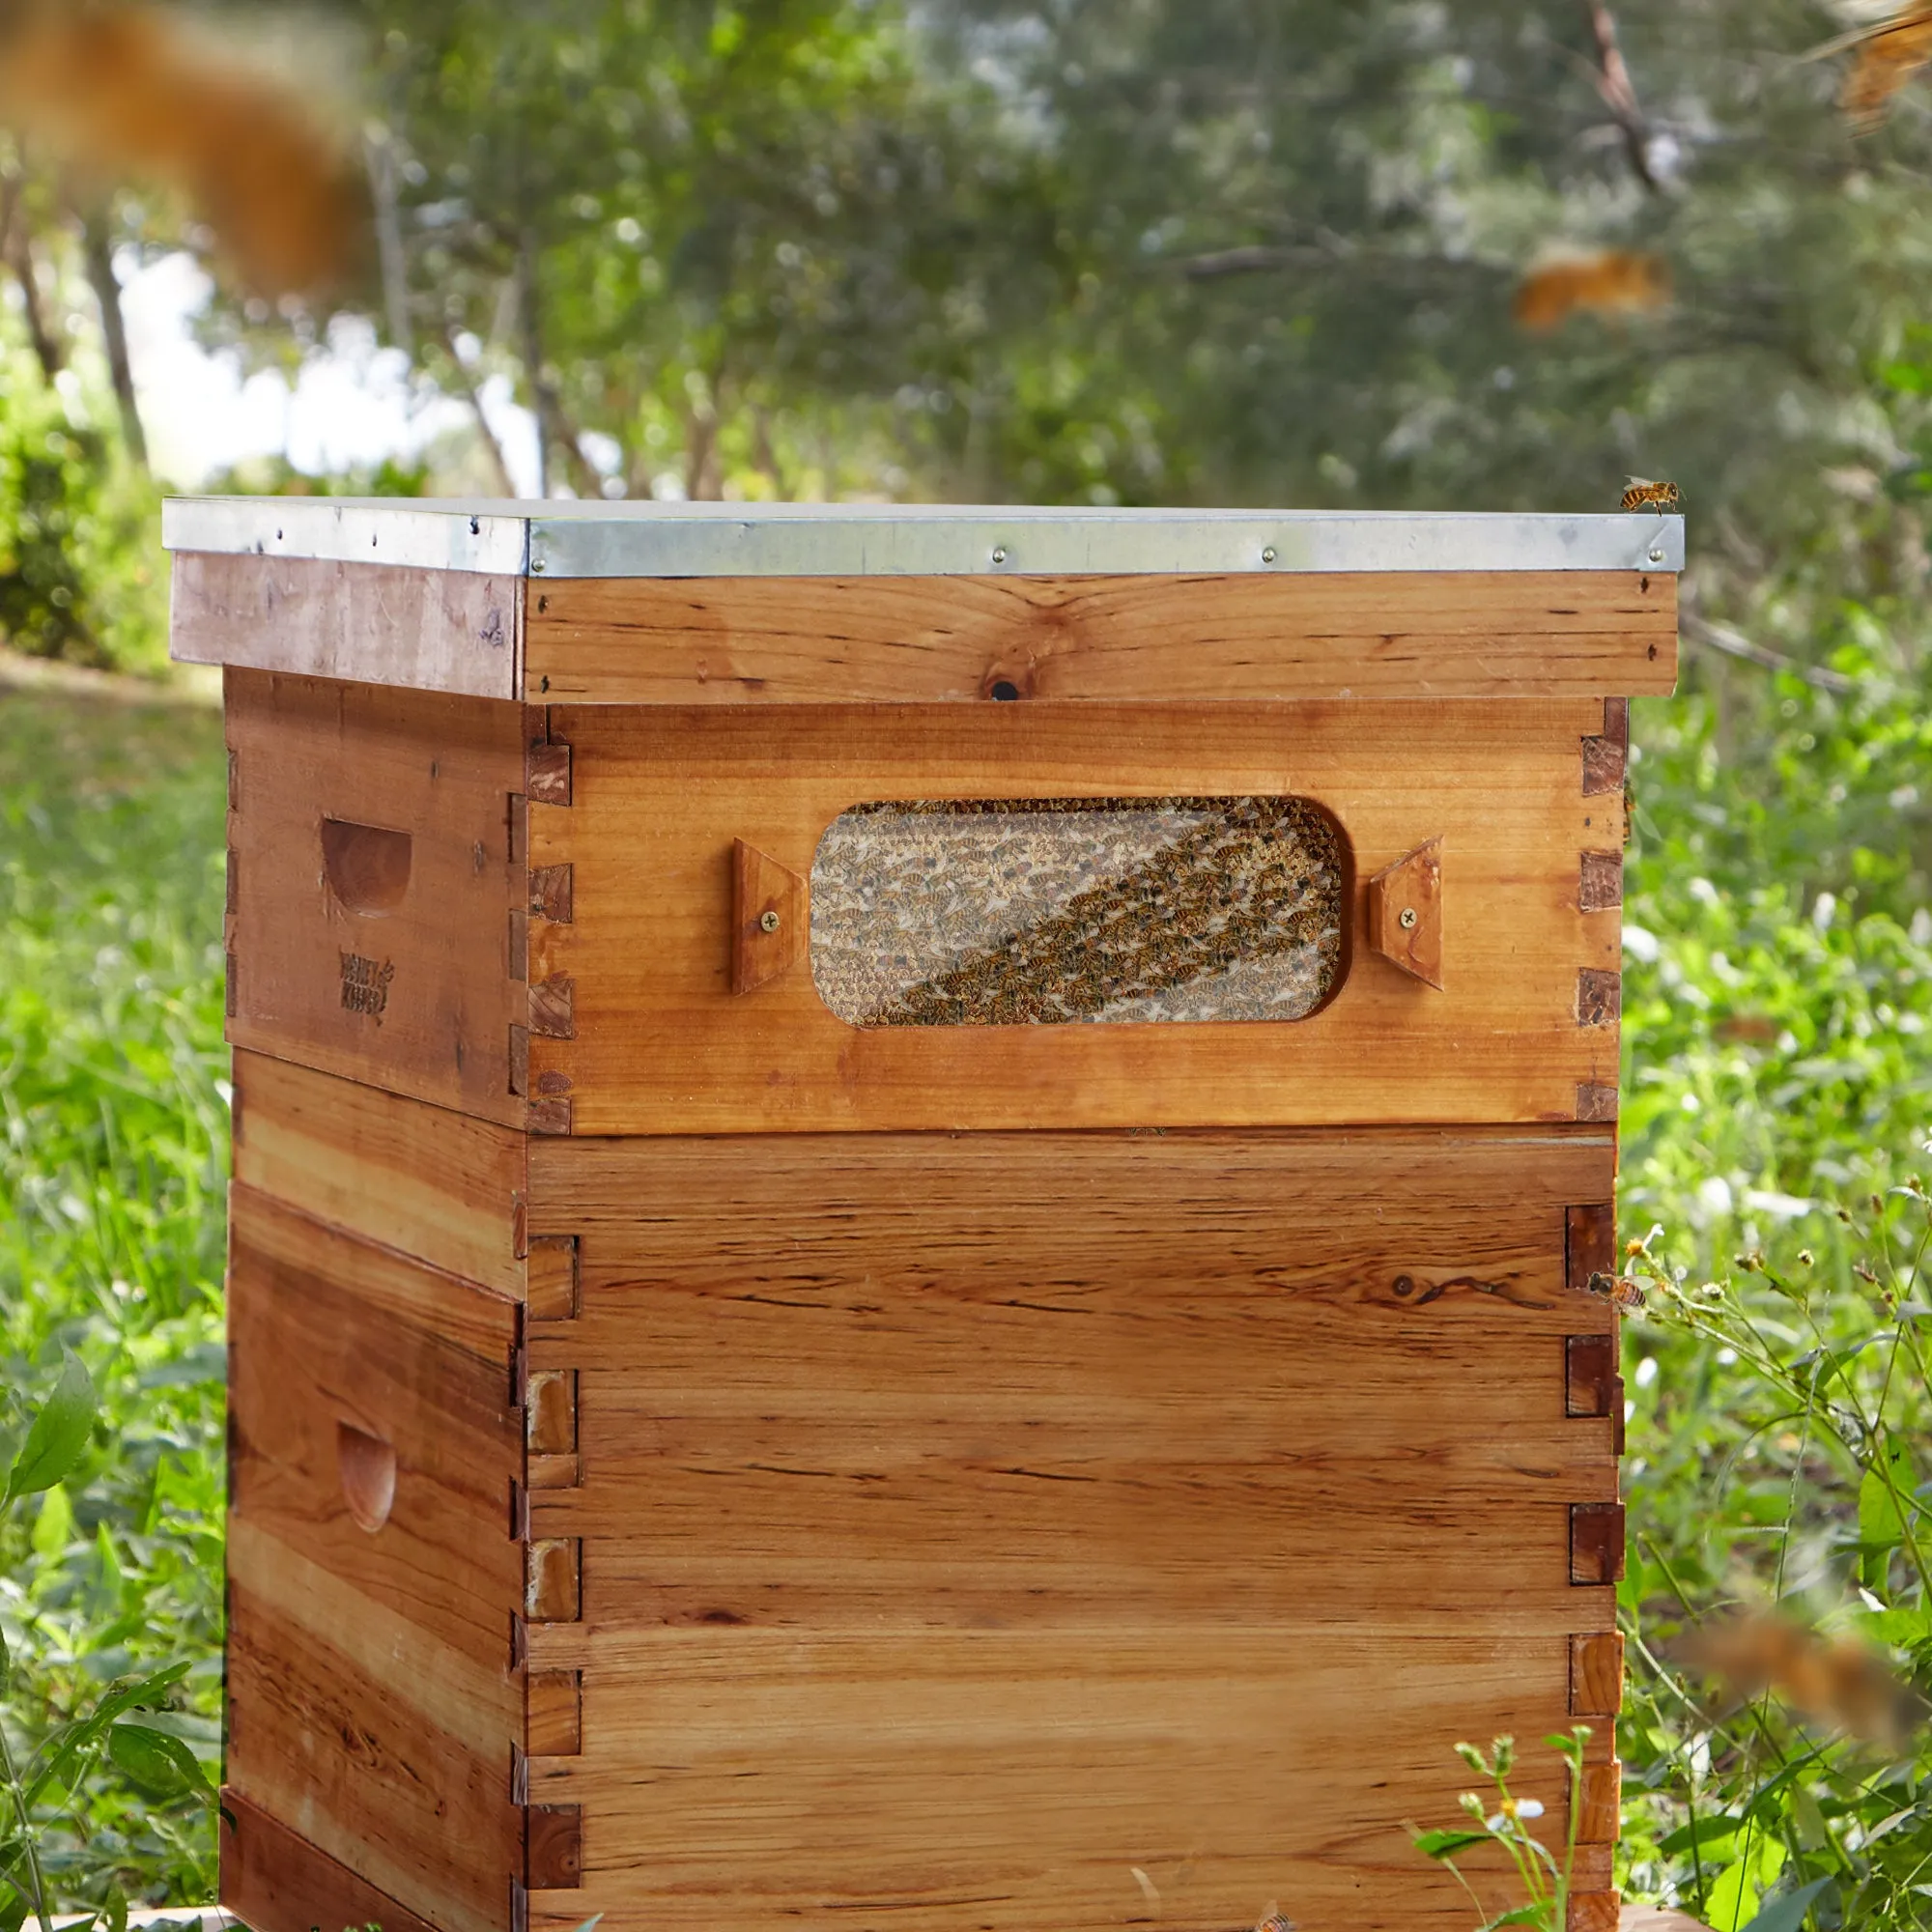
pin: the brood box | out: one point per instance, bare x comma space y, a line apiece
915, 1194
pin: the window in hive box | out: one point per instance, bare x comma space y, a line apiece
1053, 911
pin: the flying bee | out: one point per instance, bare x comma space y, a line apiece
1619, 1291
1643, 495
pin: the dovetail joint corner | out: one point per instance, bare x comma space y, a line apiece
1599, 881
1606, 759
1596, 1543
553, 894
1597, 1675
1600, 997
550, 1278
554, 1006
547, 775
552, 1579
1596, 1103
553, 1847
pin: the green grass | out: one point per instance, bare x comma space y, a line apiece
112, 1172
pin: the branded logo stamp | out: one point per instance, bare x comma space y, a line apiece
365, 985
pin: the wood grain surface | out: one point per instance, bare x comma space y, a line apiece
275, 1881
659, 1043
381, 624
437, 1185
1194, 1377
417, 999
1021, 1780
1163, 639
372, 1707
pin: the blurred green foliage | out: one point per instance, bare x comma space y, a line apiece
113, 1150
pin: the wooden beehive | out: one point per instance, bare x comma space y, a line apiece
916, 1195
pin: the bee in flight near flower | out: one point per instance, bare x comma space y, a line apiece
1644, 495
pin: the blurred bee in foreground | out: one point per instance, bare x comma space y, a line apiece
1644, 495
1616, 1289
1275, 1922
1841, 1680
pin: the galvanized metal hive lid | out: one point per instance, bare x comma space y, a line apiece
639, 539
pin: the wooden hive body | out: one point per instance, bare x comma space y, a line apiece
697, 1459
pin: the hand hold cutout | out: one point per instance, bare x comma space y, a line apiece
1406, 913
367, 866
367, 1467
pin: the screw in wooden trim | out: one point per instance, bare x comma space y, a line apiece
1596, 1543
1604, 759
553, 1008
1600, 997
1600, 882
1597, 1675
547, 777
1596, 1103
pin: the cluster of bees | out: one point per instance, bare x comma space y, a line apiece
1257, 879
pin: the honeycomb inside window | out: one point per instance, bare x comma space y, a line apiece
1068, 911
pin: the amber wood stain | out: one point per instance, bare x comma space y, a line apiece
698, 1462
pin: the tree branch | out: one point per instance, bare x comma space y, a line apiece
98, 246
1721, 637
492, 448
1619, 94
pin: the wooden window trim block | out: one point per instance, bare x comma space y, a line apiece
1411, 890
771, 919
